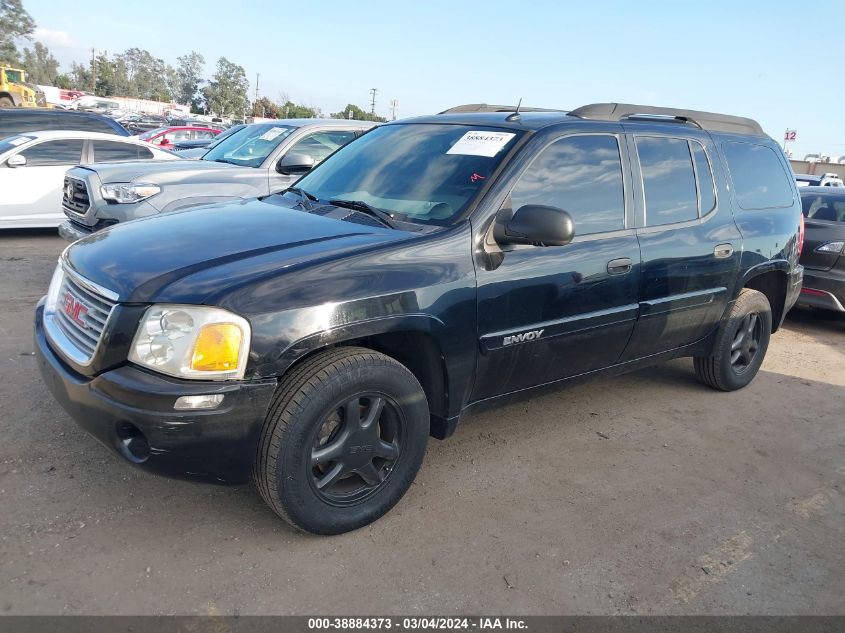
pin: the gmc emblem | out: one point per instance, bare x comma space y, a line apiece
75, 309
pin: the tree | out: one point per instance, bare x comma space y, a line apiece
41, 67
357, 113
15, 22
225, 94
80, 76
188, 77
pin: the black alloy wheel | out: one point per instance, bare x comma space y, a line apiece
746, 342
355, 448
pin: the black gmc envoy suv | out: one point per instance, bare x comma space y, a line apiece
312, 340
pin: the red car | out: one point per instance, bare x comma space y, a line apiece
164, 137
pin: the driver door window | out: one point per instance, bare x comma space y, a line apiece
320, 144
58, 152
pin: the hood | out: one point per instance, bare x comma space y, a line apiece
139, 260
165, 172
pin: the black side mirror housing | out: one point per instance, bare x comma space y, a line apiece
537, 225
295, 164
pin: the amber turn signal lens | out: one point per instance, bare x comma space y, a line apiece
218, 347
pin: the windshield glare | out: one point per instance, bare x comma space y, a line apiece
427, 172
250, 146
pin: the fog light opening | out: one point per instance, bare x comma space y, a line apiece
132, 443
209, 401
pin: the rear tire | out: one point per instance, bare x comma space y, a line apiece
740, 345
6, 102
342, 441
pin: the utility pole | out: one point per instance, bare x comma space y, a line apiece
93, 71
373, 92
255, 109
393, 105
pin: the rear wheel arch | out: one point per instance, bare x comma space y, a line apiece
773, 284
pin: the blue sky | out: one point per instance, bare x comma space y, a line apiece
771, 60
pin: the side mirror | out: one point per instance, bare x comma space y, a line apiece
537, 225
18, 160
294, 163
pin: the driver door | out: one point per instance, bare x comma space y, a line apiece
548, 313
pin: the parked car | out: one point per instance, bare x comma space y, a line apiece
313, 339
33, 165
195, 148
256, 161
165, 137
140, 123
15, 121
823, 256
821, 180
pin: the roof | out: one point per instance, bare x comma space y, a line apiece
53, 134
305, 122
830, 191
536, 118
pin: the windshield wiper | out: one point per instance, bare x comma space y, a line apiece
301, 193
363, 207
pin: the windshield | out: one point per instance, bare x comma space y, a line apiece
250, 146
224, 135
13, 141
428, 173
152, 133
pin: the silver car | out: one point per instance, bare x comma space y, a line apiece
260, 159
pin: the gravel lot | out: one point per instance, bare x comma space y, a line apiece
647, 493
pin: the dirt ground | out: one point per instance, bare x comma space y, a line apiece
643, 494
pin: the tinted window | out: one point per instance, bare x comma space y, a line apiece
59, 152
321, 144
830, 208
706, 190
18, 122
12, 142
113, 151
581, 175
668, 179
759, 179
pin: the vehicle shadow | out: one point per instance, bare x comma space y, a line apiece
815, 322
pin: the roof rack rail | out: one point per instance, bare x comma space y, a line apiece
484, 107
704, 120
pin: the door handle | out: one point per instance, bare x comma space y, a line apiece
619, 266
723, 251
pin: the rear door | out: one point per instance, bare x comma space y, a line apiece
548, 313
32, 194
690, 244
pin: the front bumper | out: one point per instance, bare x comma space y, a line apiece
72, 232
130, 411
824, 289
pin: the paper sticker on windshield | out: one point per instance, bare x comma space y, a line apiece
272, 133
18, 141
481, 143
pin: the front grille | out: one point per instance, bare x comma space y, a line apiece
82, 326
75, 196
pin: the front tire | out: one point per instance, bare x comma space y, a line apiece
740, 345
6, 102
343, 439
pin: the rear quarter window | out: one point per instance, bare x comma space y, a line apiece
758, 176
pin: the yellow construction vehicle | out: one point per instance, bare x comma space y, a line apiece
14, 93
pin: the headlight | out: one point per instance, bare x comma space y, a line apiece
124, 193
53, 291
192, 342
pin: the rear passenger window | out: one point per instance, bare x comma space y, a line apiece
113, 151
668, 180
581, 175
706, 189
759, 179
